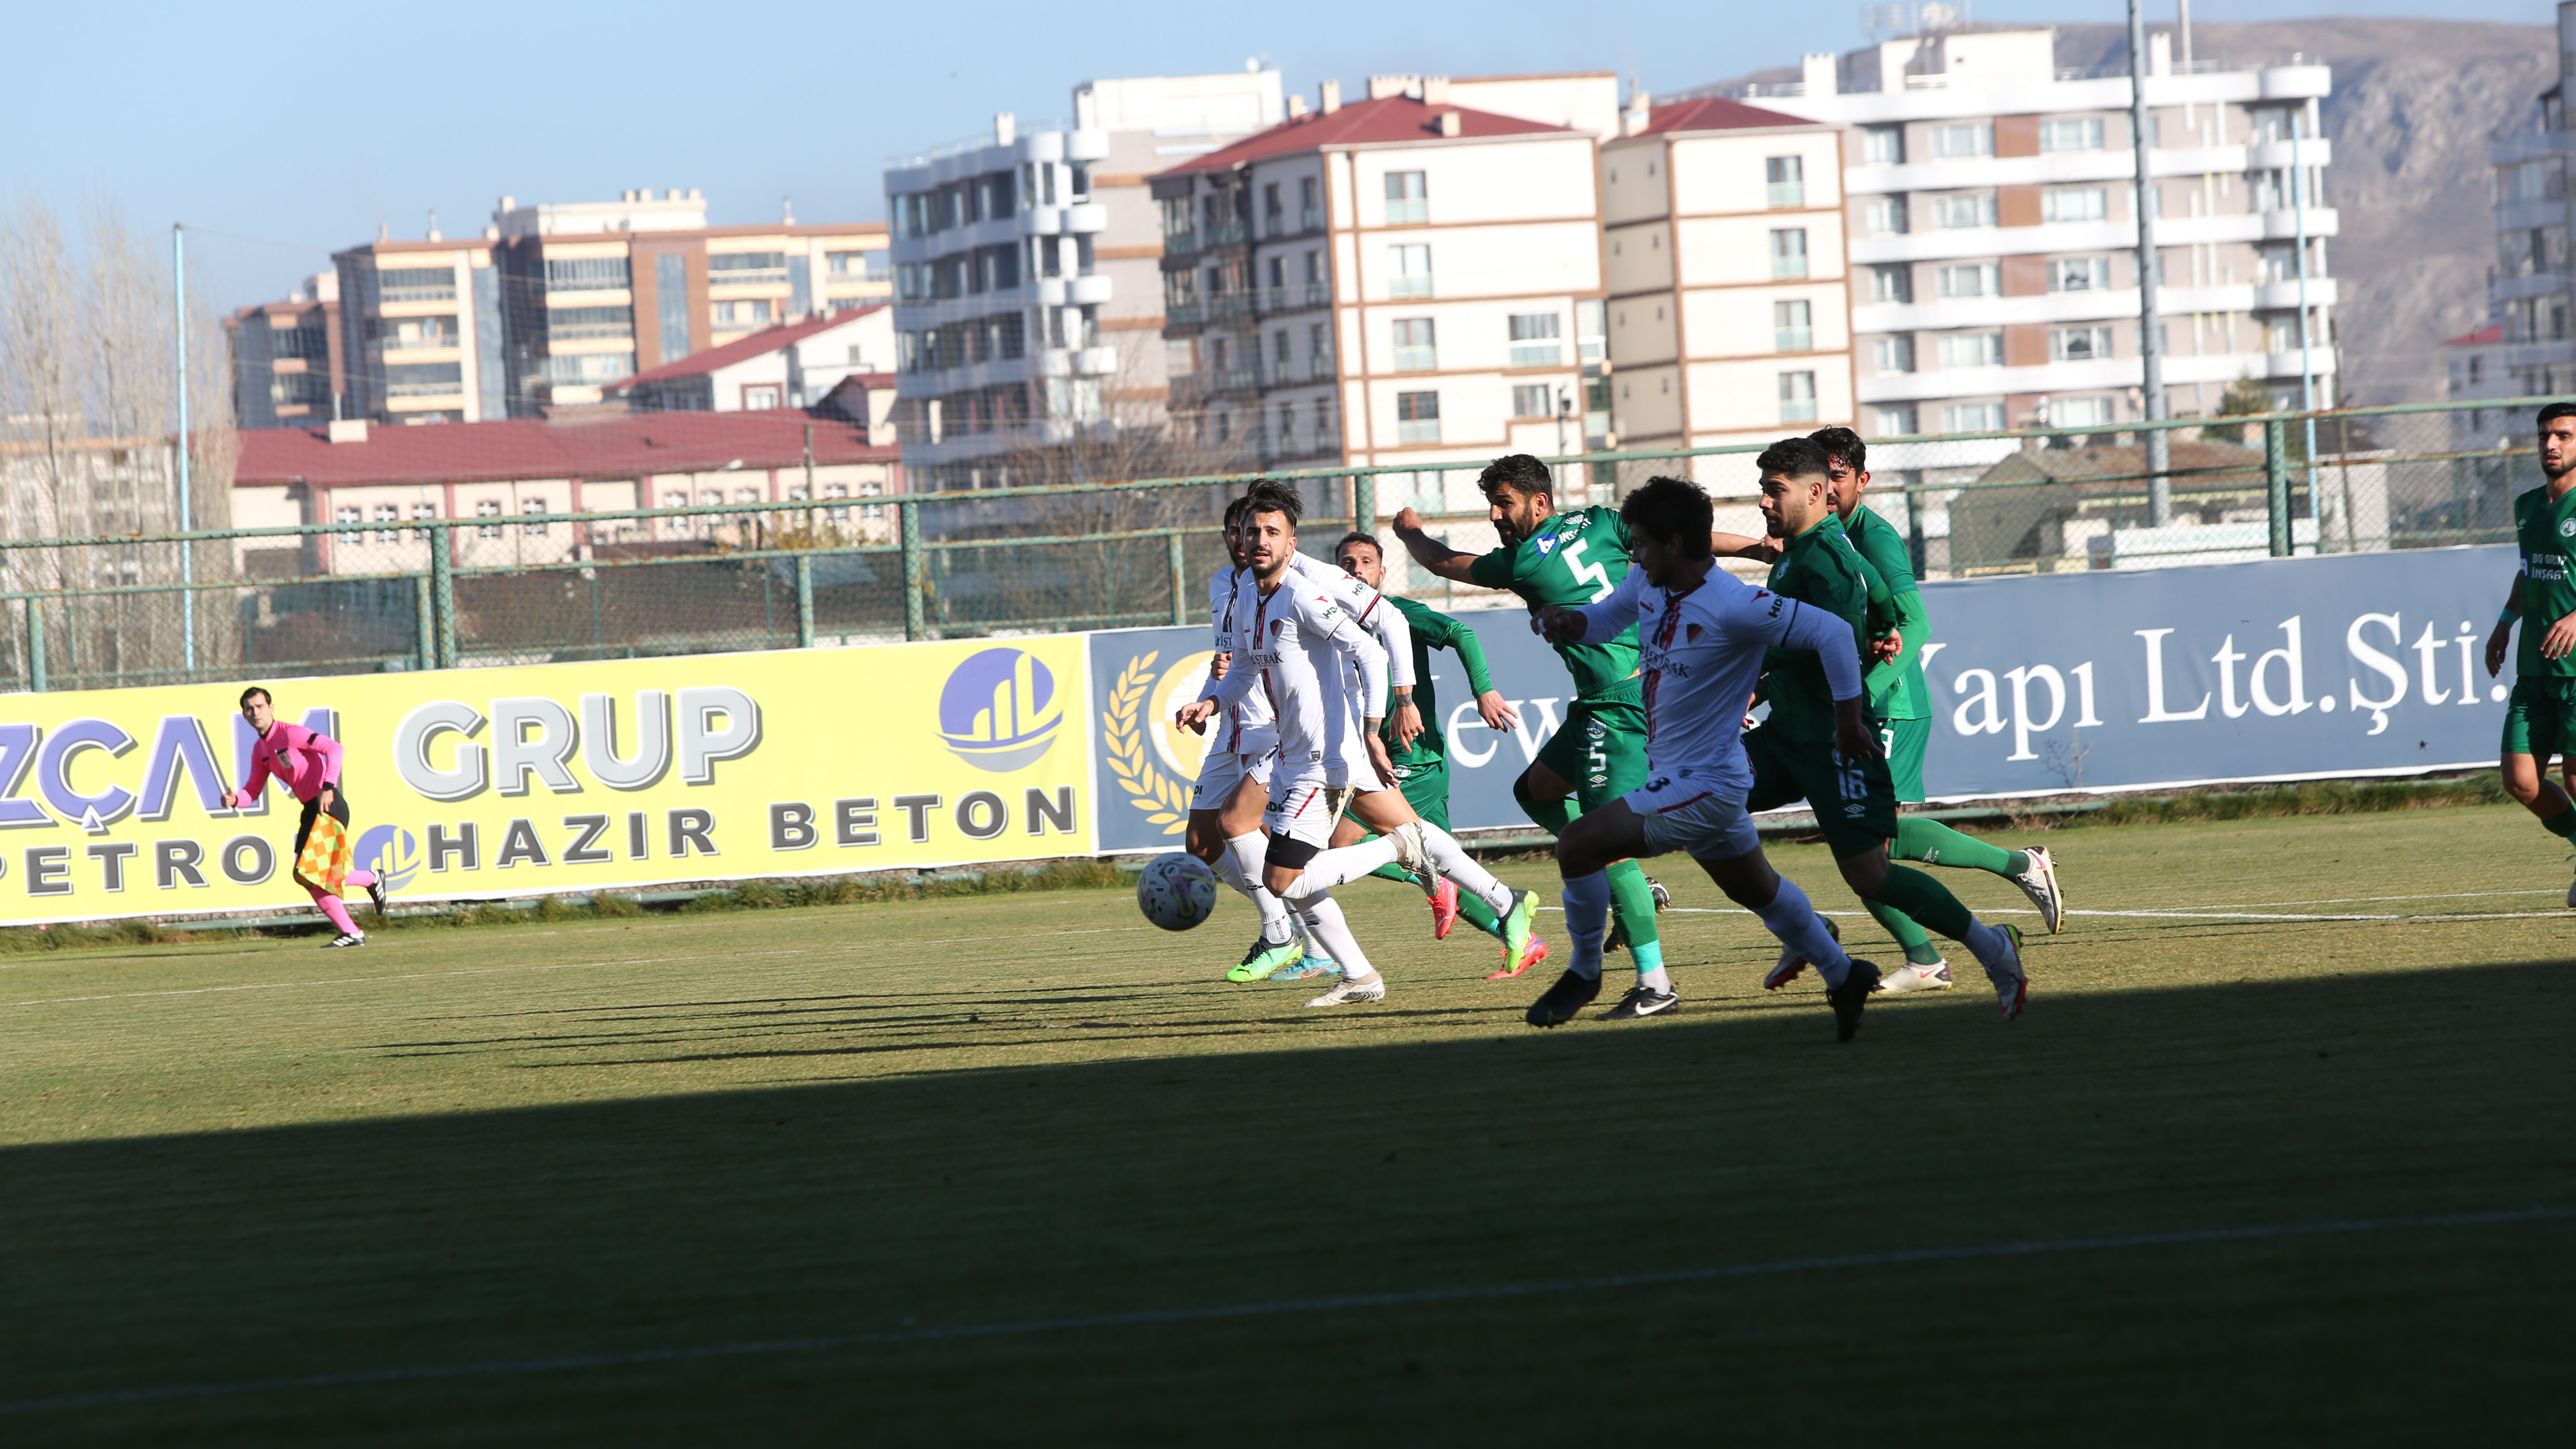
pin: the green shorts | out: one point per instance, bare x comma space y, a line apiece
1424, 779
2540, 719
1855, 806
1602, 749
1904, 740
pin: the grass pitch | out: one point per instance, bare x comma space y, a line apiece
2284, 1155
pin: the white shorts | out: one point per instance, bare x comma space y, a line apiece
1222, 772
1698, 815
1305, 808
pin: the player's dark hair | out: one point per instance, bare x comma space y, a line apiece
1671, 511
1234, 510
2554, 411
1518, 471
1842, 443
1355, 536
1268, 495
1794, 458
254, 691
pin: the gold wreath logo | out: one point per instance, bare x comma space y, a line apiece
1165, 801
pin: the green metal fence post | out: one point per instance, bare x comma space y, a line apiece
1364, 502
914, 627
442, 590
35, 647
424, 614
1180, 579
2276, 478
804, 601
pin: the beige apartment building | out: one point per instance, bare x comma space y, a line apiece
554, 302
1730, 305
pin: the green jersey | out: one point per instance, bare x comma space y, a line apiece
2545, 530
1434, 630
1576, 557
1896, 688
1820, 567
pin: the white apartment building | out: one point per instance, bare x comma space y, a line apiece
1403, 279
1730, 308
1026, 303
2528, 348
1989, 196
794, 366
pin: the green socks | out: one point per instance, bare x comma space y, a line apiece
1632, 901
1926, 900
1934, 843
2562, 824
1916, 941
1551, 816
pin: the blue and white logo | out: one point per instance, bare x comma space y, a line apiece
998, 710
391, 853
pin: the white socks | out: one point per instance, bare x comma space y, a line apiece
1341, 867
1239, 865
1453, 861
1323, 917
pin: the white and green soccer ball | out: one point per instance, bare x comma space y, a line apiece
1176, 891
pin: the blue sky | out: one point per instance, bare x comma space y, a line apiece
306, 125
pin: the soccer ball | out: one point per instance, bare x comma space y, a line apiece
1176, 891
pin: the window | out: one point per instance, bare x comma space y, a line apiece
1973, 349
1414, 349
1591, 330
2079, 412
1973, 418
1273, 215
837, 490
1531, 400
1411, 271
760, 397
743, 314
1288, 424
1962, 139
586, 274
1319, 353
1882, 145
1179, 356
387, 513
535, 510
2079, 274
740, 269
426, 379
1896, 421
2088, 203
1970, 279
420, 511
1788, 178
1407, 200
1789, 252
2073, 133
1534, 339
417, 284
583, 369
1962, 210
1894, 354
590, 324
413, 334
1891, 284
845, 264
1797, 397
1886, 216
488, 508
2079, 344
1793, 327
1417, 417
350, 514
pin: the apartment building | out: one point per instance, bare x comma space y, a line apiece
1989, 198
823, 362
1729, 305
2528, 348
556, 301
1405, 278
288, 370
1027, 302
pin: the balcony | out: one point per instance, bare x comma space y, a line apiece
1183, 314
1180, 243
1223, 234
1297, 297
1231, 304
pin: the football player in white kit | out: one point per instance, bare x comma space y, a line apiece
1701, 633
1327, 676
1234, 780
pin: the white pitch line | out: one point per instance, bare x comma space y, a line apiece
1276, 1308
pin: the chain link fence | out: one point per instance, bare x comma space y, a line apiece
434, 592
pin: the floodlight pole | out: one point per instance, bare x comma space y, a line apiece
187, 570
2151, 343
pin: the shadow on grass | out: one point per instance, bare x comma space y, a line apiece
1033, 1192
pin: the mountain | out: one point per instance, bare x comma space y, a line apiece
2414, 102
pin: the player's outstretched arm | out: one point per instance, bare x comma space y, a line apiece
1491, 707
1433, 555
1736, 545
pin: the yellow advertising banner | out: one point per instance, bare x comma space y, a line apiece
554, 778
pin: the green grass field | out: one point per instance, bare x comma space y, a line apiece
1020, 1166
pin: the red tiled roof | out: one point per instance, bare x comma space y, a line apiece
612, 445
2493, 332
768, 340
1362, 123
1715, 113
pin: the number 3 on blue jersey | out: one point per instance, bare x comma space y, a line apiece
1588, 573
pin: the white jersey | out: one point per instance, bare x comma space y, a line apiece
1700, 656
1303, 646
1366, 605
1247, 728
